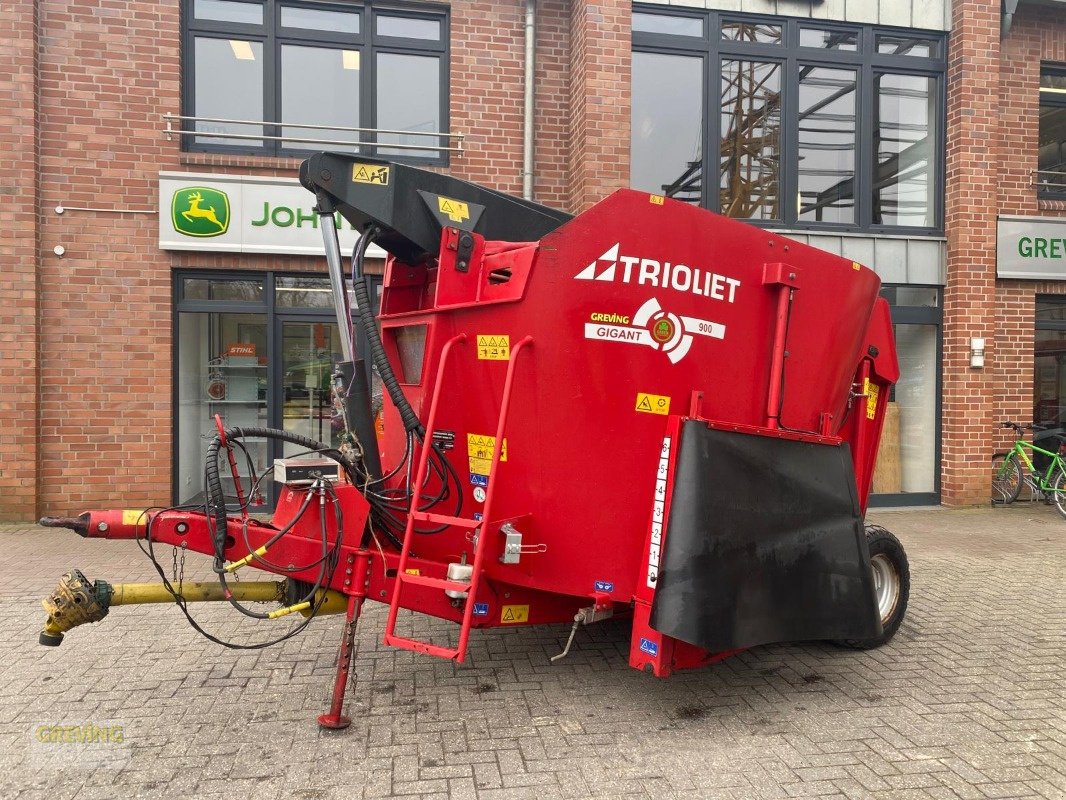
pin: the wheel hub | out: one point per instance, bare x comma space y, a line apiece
886, 585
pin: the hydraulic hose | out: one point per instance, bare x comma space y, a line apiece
216, 502
370, 331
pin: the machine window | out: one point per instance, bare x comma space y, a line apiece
281, 78
1051, 161
778, 134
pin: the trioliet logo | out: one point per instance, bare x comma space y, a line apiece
200, 211
611, 267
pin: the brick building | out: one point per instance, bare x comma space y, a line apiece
159, 264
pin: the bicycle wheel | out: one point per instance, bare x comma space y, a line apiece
1006, 478
1058, 487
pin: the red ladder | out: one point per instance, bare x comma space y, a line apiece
415, 516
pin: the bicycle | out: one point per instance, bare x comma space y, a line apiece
1008, 474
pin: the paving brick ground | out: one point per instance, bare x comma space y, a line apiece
969, 701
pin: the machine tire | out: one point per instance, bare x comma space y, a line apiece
1059, 493
892, 582
1006, 487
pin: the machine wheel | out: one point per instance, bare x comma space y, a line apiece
1006, 478
1059, 493
892, 584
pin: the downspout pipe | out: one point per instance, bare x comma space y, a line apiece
527, 105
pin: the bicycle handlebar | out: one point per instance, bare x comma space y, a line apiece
1016, 426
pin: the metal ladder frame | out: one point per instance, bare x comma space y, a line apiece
414, 516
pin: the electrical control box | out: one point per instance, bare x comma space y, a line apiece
305, 471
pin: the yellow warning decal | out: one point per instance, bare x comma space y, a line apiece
493, 347
134, 516
855, 265
480, 449
512, 614
656, 199
871, 390
455, 210
653, 403
375, 174
413, 571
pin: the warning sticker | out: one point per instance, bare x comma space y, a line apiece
455, 210
512, 614
656, 199
412, 572
480, 466
480, 449
871, 390
493, 348
133, 516
481, 609
652, 403
376, 174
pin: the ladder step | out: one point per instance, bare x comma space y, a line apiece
433, 583
420, 647
443, 519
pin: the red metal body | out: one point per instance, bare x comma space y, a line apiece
638, 313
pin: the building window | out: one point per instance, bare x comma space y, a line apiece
1049, 358
801, 124
1051, 161
256, 71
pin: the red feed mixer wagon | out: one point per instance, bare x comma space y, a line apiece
645, 410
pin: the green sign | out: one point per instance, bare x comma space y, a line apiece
200, 211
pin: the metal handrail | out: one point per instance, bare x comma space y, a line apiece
182, 131
1052, 179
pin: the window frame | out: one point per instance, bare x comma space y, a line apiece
273, 315
864, 60
273, 37
1051, 101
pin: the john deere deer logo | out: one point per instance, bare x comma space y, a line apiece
200, 211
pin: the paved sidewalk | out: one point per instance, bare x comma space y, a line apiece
969, 701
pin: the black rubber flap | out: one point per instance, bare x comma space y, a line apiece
764, 544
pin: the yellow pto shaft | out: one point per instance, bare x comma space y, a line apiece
76, 600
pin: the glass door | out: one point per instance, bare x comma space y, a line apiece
308, 349
221, 370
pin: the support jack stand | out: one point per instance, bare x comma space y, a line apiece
334, 719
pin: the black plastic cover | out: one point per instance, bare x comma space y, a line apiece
764, 543
412, 205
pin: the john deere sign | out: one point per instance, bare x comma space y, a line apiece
200, 211
242, 214
1033, 248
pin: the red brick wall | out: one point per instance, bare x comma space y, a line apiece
970, 207
993, 101
599, 99
18, 262
107, 73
